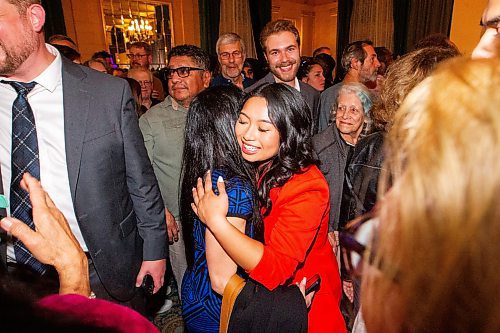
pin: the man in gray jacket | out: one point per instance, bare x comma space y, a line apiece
280, 41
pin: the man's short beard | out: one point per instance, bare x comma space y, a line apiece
14, 58
368, 78
231, 77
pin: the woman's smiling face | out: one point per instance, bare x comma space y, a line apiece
256, 134
349, 117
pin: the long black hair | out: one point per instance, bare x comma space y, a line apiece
290, 115
210, 143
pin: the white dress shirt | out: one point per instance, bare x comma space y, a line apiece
46, 100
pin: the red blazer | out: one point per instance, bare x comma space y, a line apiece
296, 246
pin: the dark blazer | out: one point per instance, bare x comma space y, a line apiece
310, 95
115, 195
332, 151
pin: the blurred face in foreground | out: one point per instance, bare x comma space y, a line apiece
489, 45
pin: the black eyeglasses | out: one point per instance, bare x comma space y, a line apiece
181, 71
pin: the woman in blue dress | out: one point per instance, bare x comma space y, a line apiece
210, 144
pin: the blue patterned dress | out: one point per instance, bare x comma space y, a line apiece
200, 304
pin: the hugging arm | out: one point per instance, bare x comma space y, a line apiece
212, 210
220, 265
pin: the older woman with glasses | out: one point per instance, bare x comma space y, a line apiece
350, 115
435, 268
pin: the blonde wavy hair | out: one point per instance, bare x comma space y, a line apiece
440, 221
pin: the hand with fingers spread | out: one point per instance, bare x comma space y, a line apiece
52, 242
208, 206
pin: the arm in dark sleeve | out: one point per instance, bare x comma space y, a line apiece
142, 184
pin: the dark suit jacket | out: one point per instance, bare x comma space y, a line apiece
310, 95
114, 191
332, 151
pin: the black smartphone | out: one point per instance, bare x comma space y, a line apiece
148, 285
313, 283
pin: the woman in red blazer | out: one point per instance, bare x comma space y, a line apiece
273, 131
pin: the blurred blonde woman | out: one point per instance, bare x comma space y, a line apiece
436, 264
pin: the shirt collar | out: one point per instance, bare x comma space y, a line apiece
296, 84
52, 75
175, 105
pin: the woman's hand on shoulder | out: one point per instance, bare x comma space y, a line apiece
208, 206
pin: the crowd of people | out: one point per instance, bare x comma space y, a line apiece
378, 185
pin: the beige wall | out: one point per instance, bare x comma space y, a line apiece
186, 20
465, 29
317, 23
84, 23
325, 29
301, 15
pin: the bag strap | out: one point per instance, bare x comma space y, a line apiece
231, 292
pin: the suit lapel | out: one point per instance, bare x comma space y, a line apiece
269, 78
76, 108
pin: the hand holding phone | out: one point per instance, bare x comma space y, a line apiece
148, 285
313, 284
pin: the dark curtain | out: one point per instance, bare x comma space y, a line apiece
260, 11
54, 21
415, 19
162, 16
209, 24
343, 25
400, 15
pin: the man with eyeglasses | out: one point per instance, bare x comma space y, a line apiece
231, 55
163, 129
145, 79
140, 55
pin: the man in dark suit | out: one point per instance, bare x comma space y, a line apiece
89, 154
280, 41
